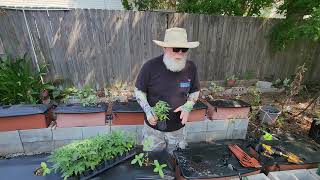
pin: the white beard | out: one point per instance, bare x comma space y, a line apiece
174, 65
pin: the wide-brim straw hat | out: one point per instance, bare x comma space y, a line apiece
176, 37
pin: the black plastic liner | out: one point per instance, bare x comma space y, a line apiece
23, 109
107, 165
203, 160
314, 131
79, 109
229, 103
133, 106
308, 152
23, 167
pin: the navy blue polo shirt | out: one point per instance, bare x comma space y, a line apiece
159, 83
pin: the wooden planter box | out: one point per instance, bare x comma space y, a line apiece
19, 117
198, 113
73, 115
129, 113
227, 109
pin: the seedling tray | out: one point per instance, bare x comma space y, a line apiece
106, 165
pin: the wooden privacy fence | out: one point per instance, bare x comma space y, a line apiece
104, 46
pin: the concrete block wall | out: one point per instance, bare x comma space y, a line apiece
47, 139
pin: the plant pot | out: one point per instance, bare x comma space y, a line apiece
231, 82
222, 109
268, 114
73, 115
19, 117
88, 174
314, 131
128, 113
161, 125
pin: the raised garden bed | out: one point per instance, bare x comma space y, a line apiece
72, 115
308, 152
127, 113
227, 109
210, 161
23, 116
198, 113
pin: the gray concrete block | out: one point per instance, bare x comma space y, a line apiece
215, 135
13, 148
139, 134
125, 128
196, 137
240, 123
70, 133
36, 135
197, 126
92, 131
218, 125
37, 147
238, 134
9, 137
60, 143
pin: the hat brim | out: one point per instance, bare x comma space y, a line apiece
177, 44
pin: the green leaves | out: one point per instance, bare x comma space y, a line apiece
161, 109
158, 168
138, 158
45, 169
19, 82
75, 158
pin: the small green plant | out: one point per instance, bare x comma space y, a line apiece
286, 83
158, 168
280, 120
143, 158
214, 88
249, 74
162, 109
43, 170
255, 94
138, 159
87, 96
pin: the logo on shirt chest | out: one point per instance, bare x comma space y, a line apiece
185, 84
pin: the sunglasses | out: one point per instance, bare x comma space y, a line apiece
180, 49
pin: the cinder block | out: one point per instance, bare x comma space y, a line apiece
218, 125
196, 137
36, 135
10, 143
237, 129
70, 133
196, 126
125, 128
93, 131
139, 134
37, 147
60, 143
9, 137
239, 134
241, 123
216, 135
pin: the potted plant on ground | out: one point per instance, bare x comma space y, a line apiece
231, 80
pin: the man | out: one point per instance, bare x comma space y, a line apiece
173, 79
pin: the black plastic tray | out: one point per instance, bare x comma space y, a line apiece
204, 160
107, 165
79, 109
199, 105
23, 109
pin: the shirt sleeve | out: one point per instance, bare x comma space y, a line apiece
195, 83
143, 78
